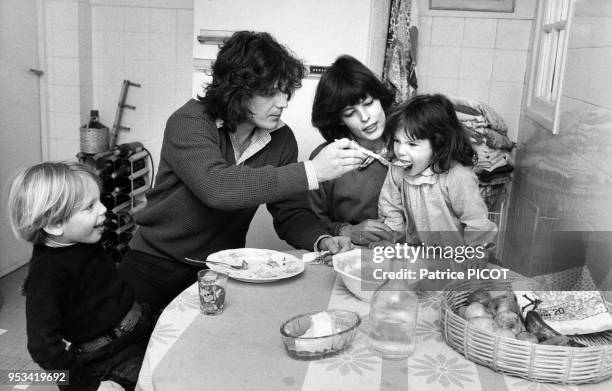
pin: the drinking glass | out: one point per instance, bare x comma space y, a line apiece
212, 286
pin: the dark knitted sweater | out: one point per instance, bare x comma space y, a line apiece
72, 293
203, 202
352, 198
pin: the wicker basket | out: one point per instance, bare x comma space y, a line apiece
94, 140
543, 363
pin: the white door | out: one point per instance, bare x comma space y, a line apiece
20, 133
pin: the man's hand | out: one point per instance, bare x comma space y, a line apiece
109, 385
335, 244
367, 231
337, 159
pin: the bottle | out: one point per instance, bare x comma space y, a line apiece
94, 120
106, 166
393, 316
125, 185
128, 149
114, 199
110, 238
125, 167
124, 218
112, 222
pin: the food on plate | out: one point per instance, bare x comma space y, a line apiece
475, 310
275, 263
273, 268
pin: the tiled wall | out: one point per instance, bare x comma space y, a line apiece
64, 63
476, 55
564, 181
94, 45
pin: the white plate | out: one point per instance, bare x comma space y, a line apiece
264, 265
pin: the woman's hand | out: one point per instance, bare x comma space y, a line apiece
109, 385
335, 244
368, 231
337, 159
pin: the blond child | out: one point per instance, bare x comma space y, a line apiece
81, 316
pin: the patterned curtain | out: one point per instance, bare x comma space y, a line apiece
401, 51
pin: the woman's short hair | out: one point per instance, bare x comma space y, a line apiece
248, 64
345, 83
46, 194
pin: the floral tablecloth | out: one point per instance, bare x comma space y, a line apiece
241, 349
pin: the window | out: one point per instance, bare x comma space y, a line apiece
550, 46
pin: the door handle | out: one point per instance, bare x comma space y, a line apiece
37, 72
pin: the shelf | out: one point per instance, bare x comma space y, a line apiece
139, 191
138, 155
138, 173
137, 208
120, 207
125, 227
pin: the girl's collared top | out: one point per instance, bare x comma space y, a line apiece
436, 209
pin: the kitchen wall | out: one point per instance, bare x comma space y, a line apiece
479, 55
564, 181
92, 46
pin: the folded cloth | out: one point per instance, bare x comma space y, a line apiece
490, 159
487, 176
491, 117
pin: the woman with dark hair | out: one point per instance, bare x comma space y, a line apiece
351, 102
222, 156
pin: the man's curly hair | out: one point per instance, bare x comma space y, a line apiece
248, 64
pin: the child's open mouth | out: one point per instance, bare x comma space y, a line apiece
99, 225
403, 164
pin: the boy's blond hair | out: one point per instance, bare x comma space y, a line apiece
46, 194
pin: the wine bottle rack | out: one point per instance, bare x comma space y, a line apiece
123, 195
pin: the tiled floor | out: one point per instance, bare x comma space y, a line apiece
13, 352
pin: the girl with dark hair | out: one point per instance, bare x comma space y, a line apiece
351, 102
433, 197
222, 156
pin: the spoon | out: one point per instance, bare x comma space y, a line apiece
243, 266
382, 159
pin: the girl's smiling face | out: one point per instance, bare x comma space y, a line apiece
365, 120
416, 154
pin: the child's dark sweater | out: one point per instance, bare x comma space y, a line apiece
72, 293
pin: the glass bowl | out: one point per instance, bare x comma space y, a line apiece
319, 334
